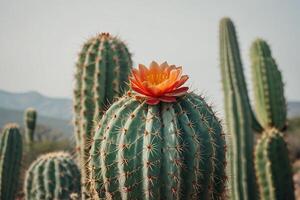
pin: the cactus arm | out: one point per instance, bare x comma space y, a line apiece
269, 98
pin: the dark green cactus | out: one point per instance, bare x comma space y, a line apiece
238, 114
52, 176
30, 123
102, 74
273, 169
164, 151
270, 104
10, 161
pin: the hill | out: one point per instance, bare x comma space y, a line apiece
60, 108
60, 125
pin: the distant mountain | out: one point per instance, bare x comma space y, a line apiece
64, 126
60, 108
294, 109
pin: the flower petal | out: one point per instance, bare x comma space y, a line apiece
167, 99
178, 92
152, 101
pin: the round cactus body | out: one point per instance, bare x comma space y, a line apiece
101, 75
52, 176
30, 123
10, 161
147, 148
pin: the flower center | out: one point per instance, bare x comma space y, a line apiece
155, 79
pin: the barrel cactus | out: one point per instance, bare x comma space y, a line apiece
10, 161
30, 123
273, 169
158, 142
52, 176
270, 104
103, 67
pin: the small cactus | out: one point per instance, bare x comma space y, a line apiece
101, 75
273, 169
10, 161
158, 143
30, 124
52, 176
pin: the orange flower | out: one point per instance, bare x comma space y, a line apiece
158, 82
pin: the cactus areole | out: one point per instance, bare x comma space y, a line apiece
158, 142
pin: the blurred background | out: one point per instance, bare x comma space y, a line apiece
40, 41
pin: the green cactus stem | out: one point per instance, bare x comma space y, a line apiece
102, 73
239, 117
10, 161
30, 124
164, 151
273, 169
270, 104
52, 176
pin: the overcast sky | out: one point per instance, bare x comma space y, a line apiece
40, 39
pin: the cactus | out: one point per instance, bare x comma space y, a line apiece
168, 146
273, 169
102, 73
10, 161
269, 98
52, 176
238, 116
30, 123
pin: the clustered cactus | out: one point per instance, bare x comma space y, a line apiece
272, 166
10, 161
30, 124
155, 139
101, 75
145, 149
52, 176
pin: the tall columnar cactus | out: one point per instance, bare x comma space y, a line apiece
158, 142
102, 73
238, 116
52, 176
272, 163
273, 169
10, 161
270, 104
30, 123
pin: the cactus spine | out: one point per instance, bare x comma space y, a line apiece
238, 116
164, 151
102, 73
10, 161
273, 169
270, 104
52, 176
30, 123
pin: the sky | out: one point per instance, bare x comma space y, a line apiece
40, 39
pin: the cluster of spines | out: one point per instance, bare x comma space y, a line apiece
273, 169
268, 87
30, 124
159, 152
239, 116
52, 176
10, 161
102, 72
